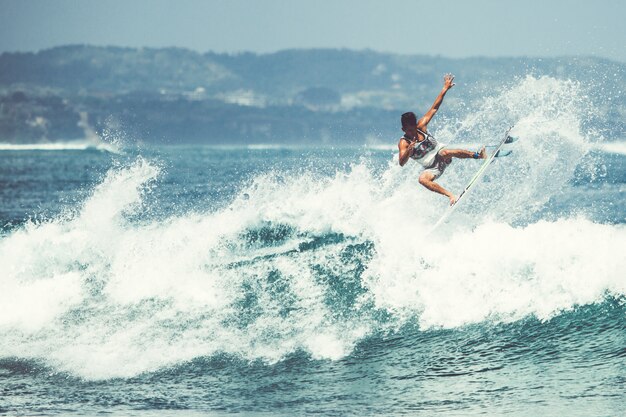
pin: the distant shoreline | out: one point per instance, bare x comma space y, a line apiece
175, 95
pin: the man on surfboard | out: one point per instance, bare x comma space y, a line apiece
420, 146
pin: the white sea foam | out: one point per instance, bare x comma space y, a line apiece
503, 273
99, 295
618, 147
269, 146
61, 146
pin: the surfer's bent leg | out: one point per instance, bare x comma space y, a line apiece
427, 180
448, 154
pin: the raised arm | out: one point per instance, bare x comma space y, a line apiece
447, 84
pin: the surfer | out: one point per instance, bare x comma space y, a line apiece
419, 145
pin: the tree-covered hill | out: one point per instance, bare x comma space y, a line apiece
176, 95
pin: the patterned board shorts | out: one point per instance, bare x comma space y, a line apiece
438, 167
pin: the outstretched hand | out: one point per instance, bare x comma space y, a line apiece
448, 81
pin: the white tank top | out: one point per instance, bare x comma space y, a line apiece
425, 152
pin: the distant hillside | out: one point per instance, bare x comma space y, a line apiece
172, 95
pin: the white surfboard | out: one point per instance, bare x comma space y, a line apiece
481, 171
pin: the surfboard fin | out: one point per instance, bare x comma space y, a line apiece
500, 154
509, 139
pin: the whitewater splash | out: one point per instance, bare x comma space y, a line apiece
308, 262
61, 146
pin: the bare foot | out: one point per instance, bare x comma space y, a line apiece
452, 199
482, 154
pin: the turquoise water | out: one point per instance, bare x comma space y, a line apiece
269, 280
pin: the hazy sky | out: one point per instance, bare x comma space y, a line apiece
453, 28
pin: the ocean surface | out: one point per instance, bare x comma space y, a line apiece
279, 281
